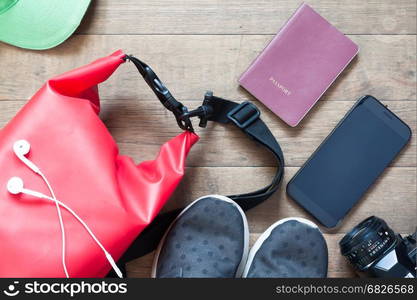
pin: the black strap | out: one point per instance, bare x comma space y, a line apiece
245, 116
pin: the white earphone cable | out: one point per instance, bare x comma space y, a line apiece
15, 186
108, 255
61, 223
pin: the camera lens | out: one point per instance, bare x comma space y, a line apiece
367, 242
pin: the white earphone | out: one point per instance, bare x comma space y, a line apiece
15, 186
22, 148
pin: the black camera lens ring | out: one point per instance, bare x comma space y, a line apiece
350, 239
367, 242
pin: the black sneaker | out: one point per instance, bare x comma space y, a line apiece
209, 238
292, 247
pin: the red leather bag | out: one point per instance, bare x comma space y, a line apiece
115, 197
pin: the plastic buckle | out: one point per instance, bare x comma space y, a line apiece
163, 94
156, 85
203, 112
255, 115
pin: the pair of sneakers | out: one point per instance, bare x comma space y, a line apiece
210, 239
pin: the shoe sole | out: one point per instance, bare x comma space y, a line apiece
245, 253
265, 235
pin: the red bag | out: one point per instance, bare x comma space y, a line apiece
69, 143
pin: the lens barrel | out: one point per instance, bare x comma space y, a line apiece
367, 242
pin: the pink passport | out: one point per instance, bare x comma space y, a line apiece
298, 65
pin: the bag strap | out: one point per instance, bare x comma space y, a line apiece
245, 116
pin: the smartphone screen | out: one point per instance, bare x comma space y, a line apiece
349, 160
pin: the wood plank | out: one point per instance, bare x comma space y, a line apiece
243, 17
196, 45
392, 197
140, 127
338, 266
190, 65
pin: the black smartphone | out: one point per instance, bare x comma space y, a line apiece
348, 161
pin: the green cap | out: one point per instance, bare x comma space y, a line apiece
39, 24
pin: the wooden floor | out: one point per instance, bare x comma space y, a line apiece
199, 45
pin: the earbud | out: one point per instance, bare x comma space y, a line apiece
22, 148
16, 186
